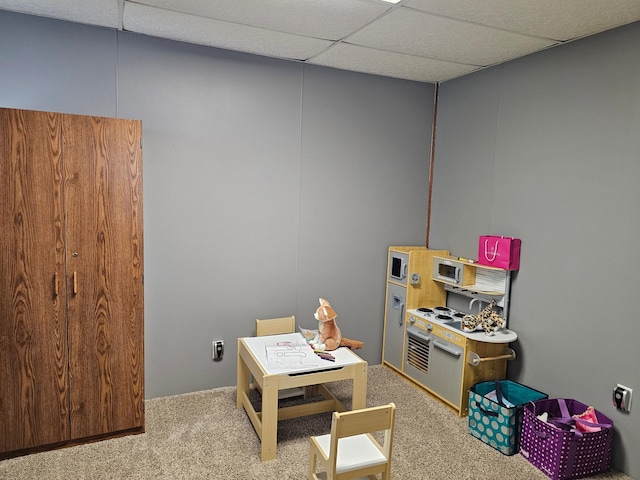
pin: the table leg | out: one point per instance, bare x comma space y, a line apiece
242, 378
269, 417
359, 396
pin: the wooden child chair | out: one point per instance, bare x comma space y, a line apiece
275, 326
350, 450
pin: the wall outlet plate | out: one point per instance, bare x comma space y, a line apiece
622, 398
217, 349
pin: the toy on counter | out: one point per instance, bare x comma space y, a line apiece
329, 337
486, 320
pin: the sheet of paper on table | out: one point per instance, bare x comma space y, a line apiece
290, 356
308, 333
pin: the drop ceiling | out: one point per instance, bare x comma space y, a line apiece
420, 40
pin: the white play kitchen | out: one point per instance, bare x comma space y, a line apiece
431, 299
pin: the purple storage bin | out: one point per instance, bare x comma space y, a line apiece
558, 450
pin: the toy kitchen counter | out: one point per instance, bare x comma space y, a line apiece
447, 361
452, 320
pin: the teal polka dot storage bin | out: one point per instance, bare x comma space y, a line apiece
496, 410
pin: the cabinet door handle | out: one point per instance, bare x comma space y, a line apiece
398, 305
56, 288
75, 283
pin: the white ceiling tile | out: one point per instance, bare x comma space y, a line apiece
103, 13
557, 19
390, 64
424, 40
205, 31
327, 19
417, 33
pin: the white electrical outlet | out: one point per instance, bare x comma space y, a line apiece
217, 349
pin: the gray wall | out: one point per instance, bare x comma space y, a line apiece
546, 148
267, 183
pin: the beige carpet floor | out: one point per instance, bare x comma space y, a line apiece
203, 436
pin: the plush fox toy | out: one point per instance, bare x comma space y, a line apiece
329, 336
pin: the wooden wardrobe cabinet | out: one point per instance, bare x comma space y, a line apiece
71, 292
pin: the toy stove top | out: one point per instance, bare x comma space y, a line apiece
445, 315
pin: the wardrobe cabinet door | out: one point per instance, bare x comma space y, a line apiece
33, 332
103, 201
